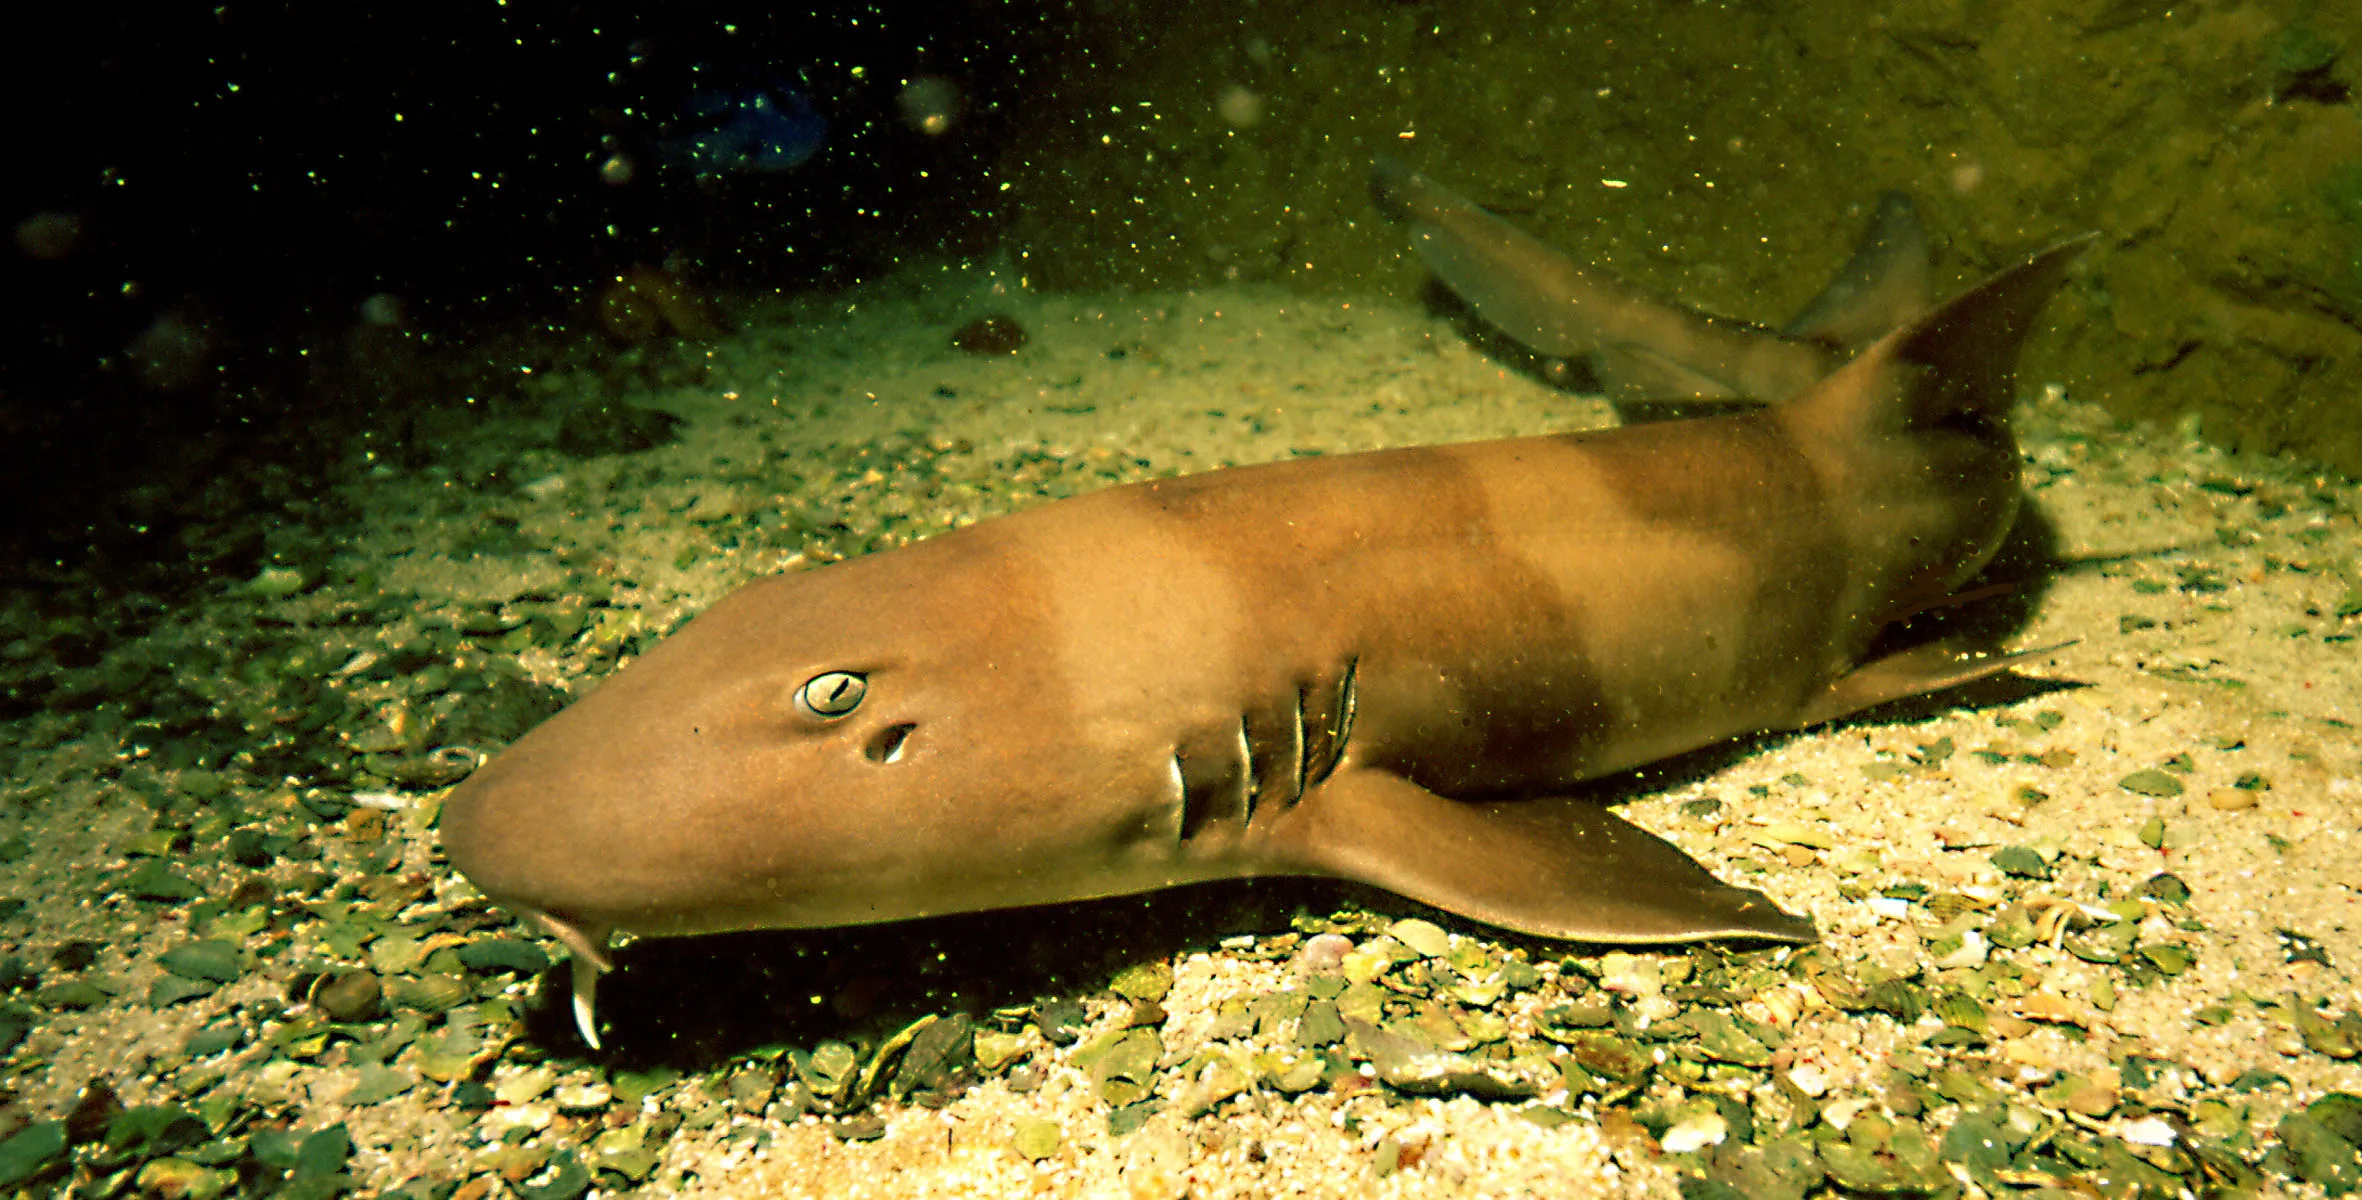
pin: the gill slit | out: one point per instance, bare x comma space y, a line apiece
1340, 723
1180, 800
1251, 787
1303, 744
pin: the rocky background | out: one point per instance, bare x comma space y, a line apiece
258, 243
1723, 153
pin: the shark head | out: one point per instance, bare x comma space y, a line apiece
868, 741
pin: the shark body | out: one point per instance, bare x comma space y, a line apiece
1391, 667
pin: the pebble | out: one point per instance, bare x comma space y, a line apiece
1425, 937
1323, 954
1809, 1079
1035, 1138
350, 996
583, 1096
2231, 800
1696, 1132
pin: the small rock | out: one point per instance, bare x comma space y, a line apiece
2020, 862
1972, 952
350, 996
2321, 1034
73, 994
2341, 1112
2231, 800
1060, 1020
1320, 1025
1425, 937
995, 1049
1631, 974
1216, 1082
168, 991
1405, 1065
31, 1151
183, 1180
1906, 1162
213, 1039
153, 880
1143, 982
1323, 953
751, 1090
1809, 1079
1035, 1138
1122, 1063
377, 1084
2320, 1155
432, 993
525, 1086
1126, 1121
503, 954
1291, 1072
583, 1096
1695, 1132
217, 961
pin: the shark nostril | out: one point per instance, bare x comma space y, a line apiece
886, 747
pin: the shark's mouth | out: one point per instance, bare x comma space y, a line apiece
589, 962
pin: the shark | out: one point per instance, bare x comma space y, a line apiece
1397, 667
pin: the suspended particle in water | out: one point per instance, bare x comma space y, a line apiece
1240, 107
382, 310
931, 104
49, 236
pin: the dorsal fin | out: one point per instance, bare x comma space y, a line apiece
1970, 344
1957, 360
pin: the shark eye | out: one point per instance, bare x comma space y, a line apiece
831, 694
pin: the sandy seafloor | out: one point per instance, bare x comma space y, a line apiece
2197, 609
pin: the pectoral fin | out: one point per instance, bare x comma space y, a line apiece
1555, 866
1914, 672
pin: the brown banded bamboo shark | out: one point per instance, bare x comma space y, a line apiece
1392, 667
